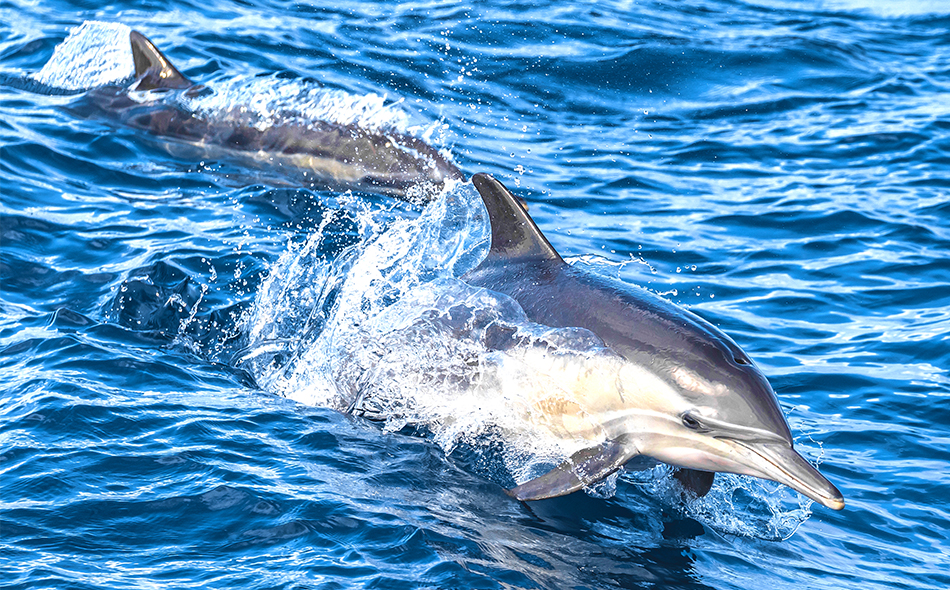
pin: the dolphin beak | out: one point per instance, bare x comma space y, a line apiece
781, 463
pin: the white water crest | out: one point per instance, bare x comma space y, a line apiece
94, 54
270, 100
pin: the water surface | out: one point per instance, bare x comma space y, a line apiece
780, 168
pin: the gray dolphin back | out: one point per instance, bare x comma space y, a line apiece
321, 153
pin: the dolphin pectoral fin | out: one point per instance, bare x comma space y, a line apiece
152, 68
582, 469
696, 481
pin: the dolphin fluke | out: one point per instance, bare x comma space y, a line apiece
152, 68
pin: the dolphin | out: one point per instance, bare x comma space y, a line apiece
684, 394
331, 154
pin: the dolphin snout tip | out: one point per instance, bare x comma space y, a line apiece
808, 481
834, 501
783, 464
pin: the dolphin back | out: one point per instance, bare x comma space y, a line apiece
318, 151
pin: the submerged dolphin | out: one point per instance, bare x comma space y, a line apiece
335, 155
685, 394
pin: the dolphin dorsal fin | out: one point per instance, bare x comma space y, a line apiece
513, 232
152, 68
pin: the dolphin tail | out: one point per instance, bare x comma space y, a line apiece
152, 68
583, 468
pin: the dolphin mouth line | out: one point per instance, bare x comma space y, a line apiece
746, 436
829, 497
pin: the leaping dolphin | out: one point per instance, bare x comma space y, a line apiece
685, 393
334, 155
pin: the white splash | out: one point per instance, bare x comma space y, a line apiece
736, 504
387, 330
94, 54
269, 101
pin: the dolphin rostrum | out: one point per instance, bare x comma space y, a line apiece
684, 394
334, 155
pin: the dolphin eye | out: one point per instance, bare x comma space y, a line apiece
741, 360
690, 422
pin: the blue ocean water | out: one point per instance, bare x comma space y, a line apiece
176, 326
